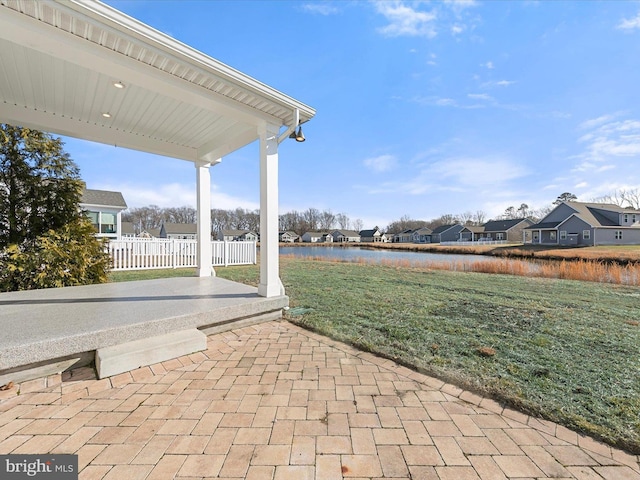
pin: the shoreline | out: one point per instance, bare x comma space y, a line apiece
622, 255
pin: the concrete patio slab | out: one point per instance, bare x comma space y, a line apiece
60, 325
273, 401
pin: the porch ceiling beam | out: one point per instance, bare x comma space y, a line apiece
223, 145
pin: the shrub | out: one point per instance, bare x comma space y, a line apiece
68, 256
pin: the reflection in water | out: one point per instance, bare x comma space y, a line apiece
357, 254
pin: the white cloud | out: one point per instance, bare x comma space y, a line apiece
629, 24
382, 163
480, 96
581, 185
476, 172
596, 122
498, 83
323, 8
488, 65
405, 21
175, 195
609, 139
457, 29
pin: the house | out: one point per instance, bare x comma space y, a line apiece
179, 231
446, 233
237, 236
587, 224
345, 236
317, 237
289, 237
405, 236
372, 236
104, 210
422, 235
511, 231
471, 233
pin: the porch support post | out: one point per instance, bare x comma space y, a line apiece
203, 179
270, 284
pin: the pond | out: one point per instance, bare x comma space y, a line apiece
357, 254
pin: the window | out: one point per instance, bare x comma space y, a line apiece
94, 219
626, 218
552, 235
499, 236
107, 223
586, 234
618, 235
103, 222
563, 234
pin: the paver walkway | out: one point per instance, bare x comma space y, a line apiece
276, 402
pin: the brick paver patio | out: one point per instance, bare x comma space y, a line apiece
277, 402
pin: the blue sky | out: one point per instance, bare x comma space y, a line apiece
423, 108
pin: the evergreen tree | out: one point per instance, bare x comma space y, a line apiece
40, 186
45, 239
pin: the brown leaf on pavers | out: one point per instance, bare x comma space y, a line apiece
7, 386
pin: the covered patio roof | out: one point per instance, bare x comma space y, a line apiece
84, 69
65, 66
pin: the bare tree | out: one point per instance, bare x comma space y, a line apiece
405, 223
466, 218
357, 225
480, 217
342, 220
327, 220
631, 198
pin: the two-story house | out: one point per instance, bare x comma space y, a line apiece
104, 210
587, 224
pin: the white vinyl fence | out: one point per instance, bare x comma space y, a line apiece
143, 253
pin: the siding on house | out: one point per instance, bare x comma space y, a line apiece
585, 224
446, 233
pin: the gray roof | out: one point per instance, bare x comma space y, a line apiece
347, 233
235, 232
181, 228
127, 228
103, 198
444, 228
502, 225
543, 225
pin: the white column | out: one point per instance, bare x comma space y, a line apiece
203, 177
270, 284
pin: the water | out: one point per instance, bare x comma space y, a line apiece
356, 254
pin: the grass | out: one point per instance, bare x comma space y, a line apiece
133, 275
567, 351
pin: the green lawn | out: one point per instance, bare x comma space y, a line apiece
565, 350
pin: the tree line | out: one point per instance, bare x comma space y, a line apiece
152, 217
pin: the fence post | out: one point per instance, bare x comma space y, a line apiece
174, 257
226, 253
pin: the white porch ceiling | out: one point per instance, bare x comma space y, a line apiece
59, 61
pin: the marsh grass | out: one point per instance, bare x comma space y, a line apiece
565, 350
583, 270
